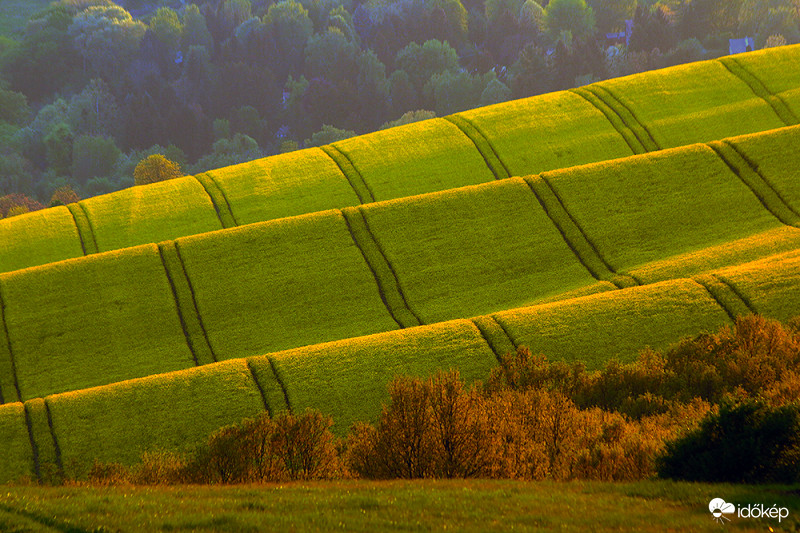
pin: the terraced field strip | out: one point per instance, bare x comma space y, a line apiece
691, 103
37, 238
185, 303
348, 379
775, 157
726, 297
284, 185
91, 321
659, 205
385, 276
626, 116
540, 133
173, 411
769, 286
748, 173
17, 459
777, 73
616, 324
483, 145
280, 284
85, 230
151, 213
614, 118
219, 199
758, 87
350, 172
573, 235
474, 250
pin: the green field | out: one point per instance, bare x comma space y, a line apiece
777, 72
38, 238
472, 505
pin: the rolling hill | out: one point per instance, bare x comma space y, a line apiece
587, 225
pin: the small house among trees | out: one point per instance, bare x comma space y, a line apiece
739, 46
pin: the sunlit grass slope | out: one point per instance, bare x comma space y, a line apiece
283, 185
776, 156
778, 72
474, 250
173, 411
770, 286
533, 135
653, 206
282, 284
615, 324
150, 213
696, 102
427, 156
348, 379
16, 460
38, 238
91, 321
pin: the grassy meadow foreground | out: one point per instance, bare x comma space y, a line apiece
457, 505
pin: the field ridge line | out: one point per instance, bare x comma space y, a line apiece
736, 291
482, 144
718, 292
777, 103
84, 226
7, 349
43, 439
34, 447
627, 116
753, 180
176, 299
505, 330
485, 324
195, 307
388, 283
574, 235
259, 387
280, 381
627, 134
218, 199
350, 172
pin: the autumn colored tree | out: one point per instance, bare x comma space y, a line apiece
155, 168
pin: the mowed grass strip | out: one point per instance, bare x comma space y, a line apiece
474, 250
734, 252
16, 461
91, 321
549, 131
282, 284
427, 156
748, 173
614, 118
770, 286
775, 156
168, 412
776, 69
348, 379
691, 103
151, 213
617, 324
758, 87
38, 238
650, 207
284, 185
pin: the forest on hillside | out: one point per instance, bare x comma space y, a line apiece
90, 88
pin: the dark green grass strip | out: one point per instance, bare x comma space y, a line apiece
745, 171
260, 388
385, 276
8, 367
84, 226
757, 86
725, 296
350, 172
34, 447
626, 115
270, 384
573, 234
45, 448
483, 145
739, 295
219, 199
281, 382
503, 327
496, 337
185, 301
613, 117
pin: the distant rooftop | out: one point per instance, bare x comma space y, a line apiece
739, 46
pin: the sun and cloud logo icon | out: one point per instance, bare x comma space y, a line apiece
719, 508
